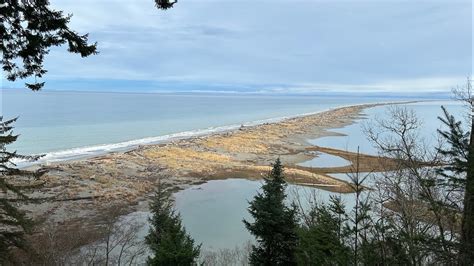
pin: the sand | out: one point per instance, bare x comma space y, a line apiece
84, 189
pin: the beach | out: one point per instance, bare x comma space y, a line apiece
81, 191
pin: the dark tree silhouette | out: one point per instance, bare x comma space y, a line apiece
165, 4
13, 183
30, 28
167, 239
461, 169
321, 236
275, 224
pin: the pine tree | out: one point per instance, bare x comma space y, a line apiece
322, 237
467, 237
460, 170
13, 183
167, 238
275, 224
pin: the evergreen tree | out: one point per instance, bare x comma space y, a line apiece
167, 238
460, 170
322, 238
165, 4
13, 183
389, 251
275, 224
467, 236
29, 30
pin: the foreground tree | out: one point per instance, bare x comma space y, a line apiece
29, 30
412, 216
322, 235
460, 168
420, 209
14, 183
274, 224
167, 238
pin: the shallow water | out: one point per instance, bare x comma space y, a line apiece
68, 124
213, 212
354, 137
326, 160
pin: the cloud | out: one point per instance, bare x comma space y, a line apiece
442, 85
305, 45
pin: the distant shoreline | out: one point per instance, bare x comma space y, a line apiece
90, 152
83, 192
433, 95
82, 188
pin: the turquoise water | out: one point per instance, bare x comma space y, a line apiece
66, 125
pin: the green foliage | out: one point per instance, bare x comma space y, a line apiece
275, 224
13, 183
167, 238
388, 251
165, 4
460, 169
322, 238
29, 30
458, 148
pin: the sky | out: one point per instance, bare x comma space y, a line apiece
272, 46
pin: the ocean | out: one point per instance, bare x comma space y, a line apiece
70, 125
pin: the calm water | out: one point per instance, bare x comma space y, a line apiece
67, 125
213, 212
325, 160
426, 112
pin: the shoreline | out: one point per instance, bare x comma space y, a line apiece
92, 151
83, 191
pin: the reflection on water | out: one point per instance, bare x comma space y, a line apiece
213, 212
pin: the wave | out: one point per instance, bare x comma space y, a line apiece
91, 151
96, 150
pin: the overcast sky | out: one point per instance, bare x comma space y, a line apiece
264, 46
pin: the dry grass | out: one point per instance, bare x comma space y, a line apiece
246, 153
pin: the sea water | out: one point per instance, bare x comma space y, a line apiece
68, 125
65, 125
